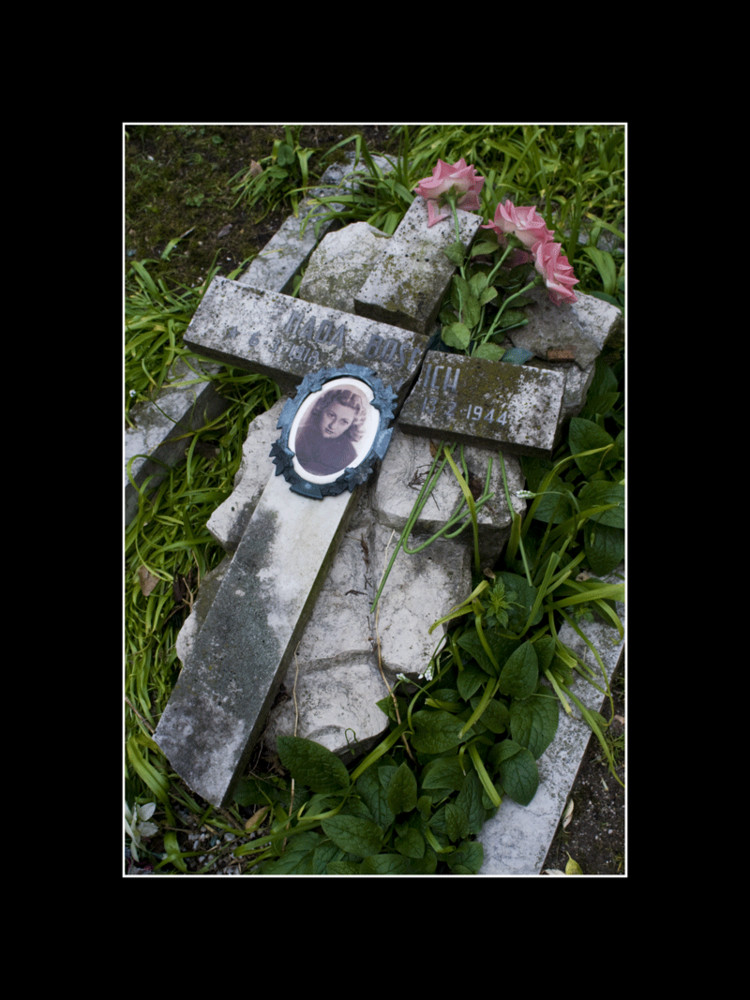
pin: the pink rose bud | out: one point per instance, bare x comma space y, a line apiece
557, 272
525, 222
458, 177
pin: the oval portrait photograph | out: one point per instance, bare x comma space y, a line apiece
334, 430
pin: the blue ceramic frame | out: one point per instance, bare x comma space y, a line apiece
383, 400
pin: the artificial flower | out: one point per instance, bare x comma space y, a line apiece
457, 177
525, 222
557, 272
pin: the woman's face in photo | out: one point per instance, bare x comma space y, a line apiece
336, 419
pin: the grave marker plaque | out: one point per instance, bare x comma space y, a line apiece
515, 407
287, 338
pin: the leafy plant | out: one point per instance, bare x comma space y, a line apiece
278, 178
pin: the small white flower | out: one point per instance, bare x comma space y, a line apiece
525, 494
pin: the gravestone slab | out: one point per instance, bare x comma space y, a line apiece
340, 265
407, 283
578, 332
219, 704
515, 407
286, 338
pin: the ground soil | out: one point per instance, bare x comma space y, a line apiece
179, 182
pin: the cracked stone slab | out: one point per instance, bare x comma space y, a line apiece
408, 282
476, 401
220, 703
286, 338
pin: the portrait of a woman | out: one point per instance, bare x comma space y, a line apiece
325, 441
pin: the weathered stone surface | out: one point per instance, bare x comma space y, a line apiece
340, 265
286, 338
228, 522
421, 588
516, 407
517, 838
407, 466
290, 247
221, 699
335, 707
407, 284
575, 331
160, 436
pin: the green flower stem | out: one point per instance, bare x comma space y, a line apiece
501, 310
472, 508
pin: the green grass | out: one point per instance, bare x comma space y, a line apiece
575, 177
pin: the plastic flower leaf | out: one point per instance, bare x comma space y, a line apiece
459, 178
558, 274
145, 813
137, 825
524, 222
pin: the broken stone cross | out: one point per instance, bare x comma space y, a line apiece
220, 702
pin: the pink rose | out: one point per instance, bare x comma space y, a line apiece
525, 222
556, 271
458, 177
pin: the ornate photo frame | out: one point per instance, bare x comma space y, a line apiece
334, 431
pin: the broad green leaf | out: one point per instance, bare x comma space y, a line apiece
375, 797
489, 352
472, 644
456, 335
470, 799
586, 436
467, 859
520, 675
533, 722
444, 774
519, 776
402, 791
410, 843
478, 283
572, 867
456, 822
470, 679
435, 731
385, 864
353, 834
455, 253
343, 868
605, 547
312, 765
483, 247
600, 493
